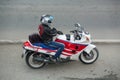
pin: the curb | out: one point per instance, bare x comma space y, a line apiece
96, 41
107, 41
12, 41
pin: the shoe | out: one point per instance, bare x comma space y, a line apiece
55, 60
52, 59
58, 60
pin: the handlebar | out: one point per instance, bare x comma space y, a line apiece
73, 31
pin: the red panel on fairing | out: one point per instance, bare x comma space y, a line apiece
71, 46
66, 43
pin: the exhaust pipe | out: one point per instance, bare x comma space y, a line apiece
41, 59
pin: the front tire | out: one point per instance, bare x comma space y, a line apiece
89, 58
33, 63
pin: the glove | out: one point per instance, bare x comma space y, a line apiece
59, 32
54, 29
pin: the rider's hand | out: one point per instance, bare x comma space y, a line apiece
54, 29
73, 31
59, 32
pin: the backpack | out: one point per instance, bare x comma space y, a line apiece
35, 38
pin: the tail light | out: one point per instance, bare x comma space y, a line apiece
26, 43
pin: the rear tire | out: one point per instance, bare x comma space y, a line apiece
32, 63
89, 59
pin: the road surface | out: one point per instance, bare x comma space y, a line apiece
107, 67
19, 18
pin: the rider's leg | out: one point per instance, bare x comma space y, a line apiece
59, 46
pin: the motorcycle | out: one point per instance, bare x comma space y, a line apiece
77, 47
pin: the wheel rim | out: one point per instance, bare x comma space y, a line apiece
34, 63
89, 58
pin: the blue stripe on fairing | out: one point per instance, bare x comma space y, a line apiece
44, 46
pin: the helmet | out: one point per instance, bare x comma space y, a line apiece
46, 19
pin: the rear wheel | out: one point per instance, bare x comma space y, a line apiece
89, 58
31, 62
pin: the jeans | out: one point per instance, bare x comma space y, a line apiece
58, 46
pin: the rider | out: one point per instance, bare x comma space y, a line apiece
47, 33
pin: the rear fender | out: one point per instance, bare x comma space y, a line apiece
25, 52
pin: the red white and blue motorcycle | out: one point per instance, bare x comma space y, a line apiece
77, 47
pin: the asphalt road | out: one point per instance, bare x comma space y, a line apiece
19, 18
107, 67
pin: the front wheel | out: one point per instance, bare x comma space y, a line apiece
89, 58
31, 62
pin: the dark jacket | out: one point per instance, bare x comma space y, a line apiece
46, 33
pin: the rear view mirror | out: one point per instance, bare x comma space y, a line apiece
77, 25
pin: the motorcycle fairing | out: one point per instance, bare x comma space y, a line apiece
29, 46
72, 48
89, 48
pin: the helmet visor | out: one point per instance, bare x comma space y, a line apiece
49, 21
